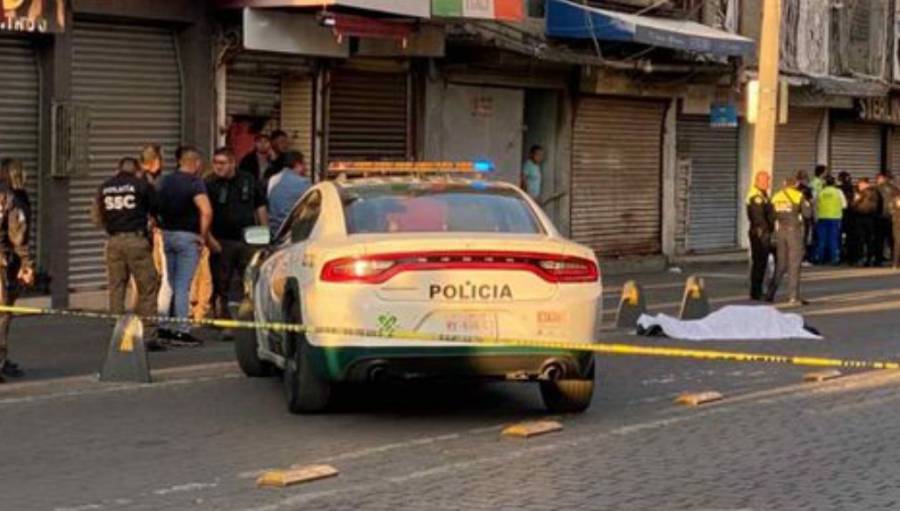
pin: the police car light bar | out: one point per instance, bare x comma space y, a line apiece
371, 168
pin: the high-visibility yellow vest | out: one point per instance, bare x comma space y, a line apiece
830, 206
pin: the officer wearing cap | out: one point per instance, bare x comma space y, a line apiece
762, 223
792, 210
127, 204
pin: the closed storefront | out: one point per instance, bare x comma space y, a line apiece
128, 78
266, 91
856, 148
19, 111
617, 175
369, 115
797, 143
480, 122
708, 156
894, 149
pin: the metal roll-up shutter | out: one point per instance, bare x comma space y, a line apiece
19, 111
253, 83
797, 143
368, 115
297, 113
856, 148
616, 175
128, 78
895, 150
713, 193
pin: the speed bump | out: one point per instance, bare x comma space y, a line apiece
126, 357
694, 303
819, 376
631, 306
531, 428
698, 398
296, 475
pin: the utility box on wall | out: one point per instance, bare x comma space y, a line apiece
70, 140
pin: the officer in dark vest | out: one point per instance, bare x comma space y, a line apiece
762, 224
792, 210
127, 204
16, 266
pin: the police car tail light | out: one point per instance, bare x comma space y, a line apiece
356, 270
570, 269
377, 269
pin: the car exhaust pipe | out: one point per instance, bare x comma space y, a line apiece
553, 370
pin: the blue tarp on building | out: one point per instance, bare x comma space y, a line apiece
568, 19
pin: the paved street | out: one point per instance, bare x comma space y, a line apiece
199, 436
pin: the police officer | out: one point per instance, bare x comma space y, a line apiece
884, 224
17, 266
792, 210
866, 208
762, 223
238, 202
127, 205
895, 227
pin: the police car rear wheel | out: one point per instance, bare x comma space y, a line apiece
568, 395
304, 390
245, 349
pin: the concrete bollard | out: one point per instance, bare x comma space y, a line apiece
126, 357
695, 303
631, 306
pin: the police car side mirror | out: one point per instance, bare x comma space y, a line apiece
257, 236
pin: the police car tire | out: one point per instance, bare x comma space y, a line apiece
245, 349
568, 396
304, 390
248, 358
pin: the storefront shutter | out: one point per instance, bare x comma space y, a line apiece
253, 82
796, 143
128, 77
19, 111
297, 113
368, 115
856, 148
895, 150
712, 208
616, 175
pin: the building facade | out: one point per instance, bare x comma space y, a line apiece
639, 104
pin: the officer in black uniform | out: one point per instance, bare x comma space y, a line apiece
762, 224
16, 266
792, 211
127, 205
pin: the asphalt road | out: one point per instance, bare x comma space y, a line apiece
200, 435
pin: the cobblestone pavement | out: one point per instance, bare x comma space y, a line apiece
198, 437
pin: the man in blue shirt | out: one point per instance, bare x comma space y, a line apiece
185, 215
286, 188
531, 172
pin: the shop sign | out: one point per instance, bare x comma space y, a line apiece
882, 110
723, 115
505, 10
33, 16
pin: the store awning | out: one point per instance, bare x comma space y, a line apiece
410, 8
571, 20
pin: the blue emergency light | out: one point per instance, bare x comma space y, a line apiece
483, 166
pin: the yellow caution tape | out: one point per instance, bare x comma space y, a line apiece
593, 347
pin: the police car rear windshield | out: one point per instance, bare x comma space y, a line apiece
430, 207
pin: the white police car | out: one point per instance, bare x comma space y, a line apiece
425, 247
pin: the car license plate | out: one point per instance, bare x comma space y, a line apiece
471, 323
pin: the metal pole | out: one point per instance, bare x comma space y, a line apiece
767, 113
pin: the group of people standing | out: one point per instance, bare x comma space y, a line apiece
819, 220
161, 224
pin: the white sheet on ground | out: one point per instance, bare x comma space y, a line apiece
733, 322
